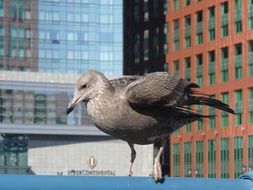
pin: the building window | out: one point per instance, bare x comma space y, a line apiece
187, 31
137, 48
166, 37
211, 23
176, 160
199, 159
13, 152
224, 30
238, 16
238, 156
187, 41
176, 5
199, 38
176, 45
211, 158
211, 34
211, 67
188, 125
187, 63
224, 153
17, 10
238, 107
238, 26
176, 67
250, 58
187, 2
146, 45
199, 63
224, 19
199, 34
145, 10
136, 13
156, 42
224, 64
188, 128
212, 121
250, 14
187, 159
223, 113
176, 35
250, 152
165, 67
200, 122
1, 8
250, 104
238, 61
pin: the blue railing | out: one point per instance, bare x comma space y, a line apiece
36, 182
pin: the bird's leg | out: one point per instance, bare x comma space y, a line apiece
157, 169
133, 155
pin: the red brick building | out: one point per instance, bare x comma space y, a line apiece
211, 43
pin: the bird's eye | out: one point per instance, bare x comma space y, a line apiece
84, 86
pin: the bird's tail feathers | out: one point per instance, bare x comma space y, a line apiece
198, 98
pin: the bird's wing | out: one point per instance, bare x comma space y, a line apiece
158, 89
123, 81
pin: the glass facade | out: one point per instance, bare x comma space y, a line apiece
13, 151
145, 36
176, 160
199, 65
63, 36
221, 62
78, 36
39, 107
250, 105
224, 154
211, 158
211, 67
238, 157
250, 152
187, 159
212, 119
225, 119
52, 37
238, 107
199, 159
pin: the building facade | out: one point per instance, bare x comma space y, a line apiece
44, 46
210, 43
61, 36
145, 34
38, 138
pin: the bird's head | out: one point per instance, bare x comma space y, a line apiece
86, 88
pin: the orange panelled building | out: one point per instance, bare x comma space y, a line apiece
211, 43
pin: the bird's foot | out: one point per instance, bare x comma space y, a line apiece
157, 171
130, 173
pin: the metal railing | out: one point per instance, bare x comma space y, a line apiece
33, 182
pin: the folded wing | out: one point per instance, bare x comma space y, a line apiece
160, 88
164, 89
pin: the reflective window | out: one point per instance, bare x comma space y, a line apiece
59, 29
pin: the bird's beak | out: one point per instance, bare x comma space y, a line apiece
72, 104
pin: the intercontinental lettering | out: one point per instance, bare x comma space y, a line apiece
91, 172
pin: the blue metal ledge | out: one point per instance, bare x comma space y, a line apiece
34, 182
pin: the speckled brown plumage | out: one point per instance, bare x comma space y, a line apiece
140, 109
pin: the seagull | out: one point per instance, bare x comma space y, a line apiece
141, 109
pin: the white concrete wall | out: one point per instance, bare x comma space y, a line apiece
48, 156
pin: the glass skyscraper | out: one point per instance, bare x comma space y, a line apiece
75, 36
44, 45
67, 36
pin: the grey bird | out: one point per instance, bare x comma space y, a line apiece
141, 109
